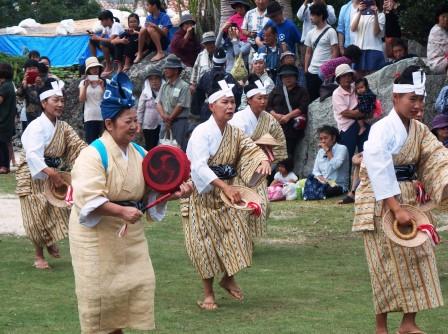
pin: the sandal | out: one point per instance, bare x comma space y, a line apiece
235, 294
207, 306
157, 60
412, 332
347, 200
41, 265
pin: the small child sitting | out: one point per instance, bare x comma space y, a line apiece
366, 101
282, 177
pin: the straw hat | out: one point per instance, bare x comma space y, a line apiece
56, 196
92, 62
342, 70
247, 195
267, 139
407, 236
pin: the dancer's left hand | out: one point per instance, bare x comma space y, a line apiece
264, 168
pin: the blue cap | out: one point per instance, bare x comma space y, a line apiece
117, 96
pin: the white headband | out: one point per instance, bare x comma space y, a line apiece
258, 56
56, 90
259, 90
419, 79
226, 90
219, 60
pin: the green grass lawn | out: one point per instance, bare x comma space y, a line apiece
309, 275
7, 183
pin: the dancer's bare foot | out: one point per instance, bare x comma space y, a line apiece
158, 56
208, 304
228, 283
41, 264
53, 250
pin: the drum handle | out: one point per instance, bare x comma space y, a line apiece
161, 199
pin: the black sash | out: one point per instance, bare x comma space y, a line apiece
406, 172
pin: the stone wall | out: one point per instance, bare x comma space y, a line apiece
381, 84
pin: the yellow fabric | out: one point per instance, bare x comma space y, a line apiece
44, 223
405, 279
217, 237
114, 276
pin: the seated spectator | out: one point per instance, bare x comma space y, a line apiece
345, 102
366, 102
199, 104
7, 115
288, 104
29, 90
355, 180
34, 55
184, 43
111, 30
204, 61
284, 174
126, 45
154, 36
392, 28
346, 36
288, 32
439, 126
91, 90
273, 50
321, 45
368, 23
290, 58
173, 102
254, 21
331, 167
352, 55
303, 14
400, 50
148, 118
438, 42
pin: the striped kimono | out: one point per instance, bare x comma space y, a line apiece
44, 223
403, 279
217, 237
255, 128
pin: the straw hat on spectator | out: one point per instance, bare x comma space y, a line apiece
56, 196
92, 62
343, 69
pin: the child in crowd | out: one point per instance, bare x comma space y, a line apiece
126, 45
284, 173
366, 101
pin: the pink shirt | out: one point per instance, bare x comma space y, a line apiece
343, 100
238, 20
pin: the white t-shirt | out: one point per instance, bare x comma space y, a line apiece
365, 37
116, 30
322, 52
291, 177
92, 106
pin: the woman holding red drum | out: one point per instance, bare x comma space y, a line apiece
217, 237
114, 276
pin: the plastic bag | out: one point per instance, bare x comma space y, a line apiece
16, 30
239, 70
168, 139
289, 191
275, 193
29, 23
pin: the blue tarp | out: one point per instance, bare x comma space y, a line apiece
62, 50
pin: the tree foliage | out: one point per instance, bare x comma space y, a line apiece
46, 11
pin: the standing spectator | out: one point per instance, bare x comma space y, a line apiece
345, 102
7, 114
303, 14
273, 50
29, 90
254, 21
392, 29
154, 36
111, 30
34, 55
199, 105
438, 42
241, 7
288, 32
439, 127
126, 45
173, 102
184, 43
204, 61
47, 62
148, 117
351, 56
369, 25
321, 45
288, 104
91, 90
346, 36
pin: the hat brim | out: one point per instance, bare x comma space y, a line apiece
50, 194
93, 65
182, 23
440, 126
420, 219
208, 40
247, 195
281, 74
351, 71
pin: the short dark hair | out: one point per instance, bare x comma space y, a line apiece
287, 163
441, 10
158, 3
330, 130
405, 77
6, 71
400, 42
271, 28
353, 52
135, 16
30, 63
319, 9
33, 54
364, 81
48, 59
42, 68
105, 15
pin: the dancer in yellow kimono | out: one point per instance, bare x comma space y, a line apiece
403, 279
256, 122
114, 276
217, 237
49, 144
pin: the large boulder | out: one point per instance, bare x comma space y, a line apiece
321, 113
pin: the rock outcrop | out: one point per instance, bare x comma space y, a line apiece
321, 113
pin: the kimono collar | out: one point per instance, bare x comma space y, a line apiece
398, 123
213, 127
